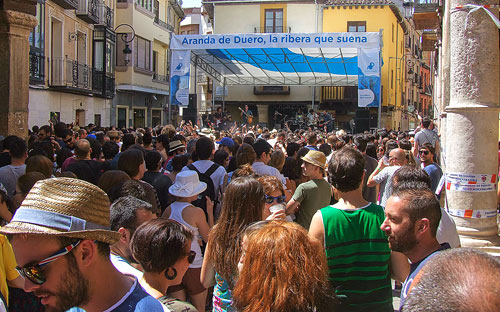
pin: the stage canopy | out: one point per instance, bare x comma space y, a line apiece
314, 59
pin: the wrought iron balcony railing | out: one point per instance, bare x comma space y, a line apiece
103, 84
88, 10
163, 24
37, 67
67, 4
261, 30
70, 74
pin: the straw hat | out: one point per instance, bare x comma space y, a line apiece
316, 158
175, 145
64, 207
187, 184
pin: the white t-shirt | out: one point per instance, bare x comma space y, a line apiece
217, 177
124, 267
447, 230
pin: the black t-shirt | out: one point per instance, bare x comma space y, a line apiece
161, 183
4, 159
87, 170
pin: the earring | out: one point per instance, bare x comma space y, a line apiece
171, 277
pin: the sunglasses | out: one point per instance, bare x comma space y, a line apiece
34, 272
423, 152
68, 140
278, 199
191, 256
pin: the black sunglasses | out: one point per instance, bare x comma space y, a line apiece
278, 199
34, 272
424, 152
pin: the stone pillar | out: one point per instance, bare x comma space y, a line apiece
472, 120
15, 27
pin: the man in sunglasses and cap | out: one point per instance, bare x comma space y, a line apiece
61, 236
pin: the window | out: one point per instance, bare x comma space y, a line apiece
122, 118
274, 21
37, 53
147, 4
142, 53
155, 117
356, 26
139, 118
155, 62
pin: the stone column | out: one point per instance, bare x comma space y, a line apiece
15, 27
472, 120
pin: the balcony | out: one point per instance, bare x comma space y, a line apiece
160, 78
67, 4
106, 16
163, 25
103, 84
70, 75
37, 68
261, 30
88, 10
424, 13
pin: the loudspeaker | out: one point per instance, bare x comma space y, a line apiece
362, 113
361, 125
191, 111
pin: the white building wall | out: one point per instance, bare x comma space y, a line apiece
42, 102
236, 19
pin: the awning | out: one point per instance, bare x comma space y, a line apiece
132, 88
329, 59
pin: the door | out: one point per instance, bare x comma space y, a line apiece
80, 117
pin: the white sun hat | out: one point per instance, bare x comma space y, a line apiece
187, 184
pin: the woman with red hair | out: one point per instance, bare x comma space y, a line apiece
291, 274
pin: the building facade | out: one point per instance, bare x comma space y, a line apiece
233, 17
143, 32
71, 62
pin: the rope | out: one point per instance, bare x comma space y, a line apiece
475, 7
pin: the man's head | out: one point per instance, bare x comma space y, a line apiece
205, 147
459, 279
314, 164
176, 148
18, 149
82, 149
409, 177
397, 157
426, 154
426, 122
60, 236
412, 219
346, 169
68, 138
114, 135
153, 161
126, 214
360, 143
45, 132
311, 138
262, 150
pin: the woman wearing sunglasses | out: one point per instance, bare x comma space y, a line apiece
163, 249
275, 197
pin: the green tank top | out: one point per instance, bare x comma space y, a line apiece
358, 257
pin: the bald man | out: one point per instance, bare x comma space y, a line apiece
460, 279
84, 167
384, 173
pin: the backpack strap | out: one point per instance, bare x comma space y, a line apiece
192, 167
212, 169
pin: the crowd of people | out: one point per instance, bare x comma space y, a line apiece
249, 219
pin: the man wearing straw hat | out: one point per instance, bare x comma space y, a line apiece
61, 236
314, 194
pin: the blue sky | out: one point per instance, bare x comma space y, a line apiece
191, 3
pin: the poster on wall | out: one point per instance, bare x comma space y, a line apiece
179, 77
368, 77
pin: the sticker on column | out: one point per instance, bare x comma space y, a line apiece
472, 214
464, 182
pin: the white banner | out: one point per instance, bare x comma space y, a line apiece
473, 214
361, 40
179, 77
368, 77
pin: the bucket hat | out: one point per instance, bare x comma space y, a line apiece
64, 207
316, 158
175, 145
187, 184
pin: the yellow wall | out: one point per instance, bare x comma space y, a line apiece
379, 17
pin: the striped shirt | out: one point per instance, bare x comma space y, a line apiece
358, 257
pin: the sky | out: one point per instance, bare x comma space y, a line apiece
191, 3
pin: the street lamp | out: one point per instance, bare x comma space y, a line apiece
124, 37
